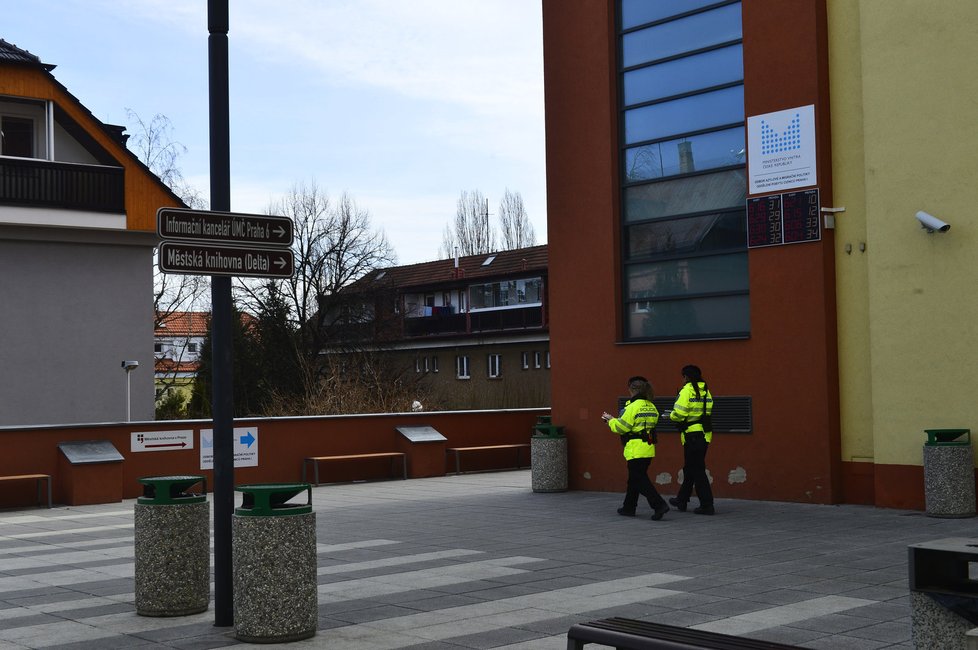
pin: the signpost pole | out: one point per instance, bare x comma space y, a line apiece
222, 405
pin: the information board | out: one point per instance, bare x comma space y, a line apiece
789, 218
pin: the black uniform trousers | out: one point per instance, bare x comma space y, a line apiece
639, 484
694, 471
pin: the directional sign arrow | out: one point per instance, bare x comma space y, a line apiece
175, 444
202, 259
224, 227
247, 440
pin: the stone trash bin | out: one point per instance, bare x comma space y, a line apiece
172, 547
548, 457
273, 553
949, 473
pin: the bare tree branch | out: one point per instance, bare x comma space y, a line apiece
514, 223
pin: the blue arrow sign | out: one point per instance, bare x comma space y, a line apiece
247, 439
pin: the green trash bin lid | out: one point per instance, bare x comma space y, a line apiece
171, 490
269, 499
948, 437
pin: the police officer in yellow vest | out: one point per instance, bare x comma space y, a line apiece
636, 425
693, 413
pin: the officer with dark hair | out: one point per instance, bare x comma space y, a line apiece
693, 413
636, 427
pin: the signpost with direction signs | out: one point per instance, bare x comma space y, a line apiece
201, 242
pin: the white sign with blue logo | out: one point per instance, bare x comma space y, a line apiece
245, 447
781, 150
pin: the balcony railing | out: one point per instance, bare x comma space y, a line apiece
477, 321
42, 183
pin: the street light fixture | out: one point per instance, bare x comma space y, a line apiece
129, 366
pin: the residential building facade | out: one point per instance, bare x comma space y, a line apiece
470, 332
742, 179
77, 232
177, 342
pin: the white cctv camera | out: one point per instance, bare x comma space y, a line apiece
129, 365
932, 223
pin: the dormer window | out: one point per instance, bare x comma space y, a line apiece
489, 260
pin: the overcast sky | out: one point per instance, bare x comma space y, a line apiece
403, 104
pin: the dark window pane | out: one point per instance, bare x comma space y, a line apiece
685, 155
696, 275
686, 195
683, 35
694, 318
713, 68
713, 232
639, 12
725, 106
18, 137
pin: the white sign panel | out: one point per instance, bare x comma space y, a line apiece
245, 447
781, 150
161, 440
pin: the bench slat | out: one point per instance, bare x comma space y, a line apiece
461, 449
38, 478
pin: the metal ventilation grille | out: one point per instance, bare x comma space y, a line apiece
731, 413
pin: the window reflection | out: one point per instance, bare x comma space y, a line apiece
712, 109
689, 318
685, 155
682, 35
687, 195
712, 232
639, 12
713, 68
695, 275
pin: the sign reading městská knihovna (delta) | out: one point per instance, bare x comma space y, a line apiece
201, 242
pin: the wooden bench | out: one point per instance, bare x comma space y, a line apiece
457, 450
39, 478
629, 634
315, 460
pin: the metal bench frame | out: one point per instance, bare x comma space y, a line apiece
315, 460
630, 634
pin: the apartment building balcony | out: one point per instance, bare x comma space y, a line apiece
70, 186
488, 320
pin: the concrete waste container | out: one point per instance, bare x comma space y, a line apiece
273, 550
548, 457
172, 547
949, 473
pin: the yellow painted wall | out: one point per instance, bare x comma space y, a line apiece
904, 87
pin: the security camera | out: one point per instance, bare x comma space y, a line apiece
129, 365
932, 223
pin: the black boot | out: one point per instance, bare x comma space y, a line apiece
660, 511
679, 505
626, 512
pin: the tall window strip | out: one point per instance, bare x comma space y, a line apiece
684, 239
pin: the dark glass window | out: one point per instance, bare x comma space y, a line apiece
639, 12
684, 240
694, 32
710, 233
713, 68
686, 195
18, 136
682, 277
684, 155
716, 317
712, 109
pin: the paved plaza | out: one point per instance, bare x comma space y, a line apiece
481, 561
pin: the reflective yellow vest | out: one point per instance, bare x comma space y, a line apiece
638, 419
689, 410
